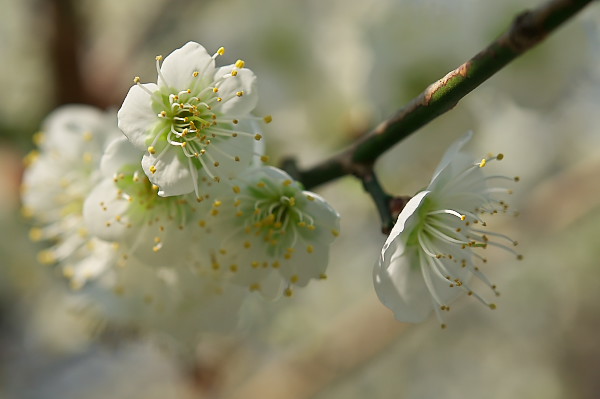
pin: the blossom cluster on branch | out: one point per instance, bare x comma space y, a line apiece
167, 222
165, 216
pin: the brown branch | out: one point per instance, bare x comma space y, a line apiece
527, 30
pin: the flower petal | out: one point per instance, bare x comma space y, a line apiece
136, 117
400, 286
119, 152
244, 82
172, 175
102, 209
179, 66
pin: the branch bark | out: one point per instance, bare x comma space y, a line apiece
527, 30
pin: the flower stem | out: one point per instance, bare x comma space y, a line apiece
527, 30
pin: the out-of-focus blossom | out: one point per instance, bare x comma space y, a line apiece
58, 177
268, 229
431, 253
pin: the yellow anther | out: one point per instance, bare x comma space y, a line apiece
310, 249
234, 73
202, 223
254, 287
264, 158
159, 58
46, 257
302, 224
215, 89
247, 244
276, 264
293, 201
236, 189
239, 93
136, 80
152, 169
258, 137
463, 217
500, 157
195, 74
335, 232
240, 64
87, 136
216, 265
36, 234
233, 268
235, 121
214, 212
294, 279
311, 227
217, 203
310, 197
219, 99
288, 292
155, 187
261, 184
323, 276
255, 264
492, 306
268, 119
483, 163
221, 50
287, 182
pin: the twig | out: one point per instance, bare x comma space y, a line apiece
527, 30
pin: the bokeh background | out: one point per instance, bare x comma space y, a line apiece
328, 71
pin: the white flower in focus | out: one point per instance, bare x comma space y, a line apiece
193, 124
431, 253
269, 230
58, 177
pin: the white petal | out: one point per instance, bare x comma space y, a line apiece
451, 154
101, 210
244, 81
400, 286
179, 66
136, 117
65, 129
120, 152
397, 275
327, 219
406, 219
172, 175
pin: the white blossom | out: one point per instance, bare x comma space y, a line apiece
269, 231
58, 177
193, 123
433, 249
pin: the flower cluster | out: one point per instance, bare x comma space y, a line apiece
433, 249
169, 226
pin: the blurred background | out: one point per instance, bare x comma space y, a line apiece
327, 72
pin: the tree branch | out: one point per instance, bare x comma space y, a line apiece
528, 29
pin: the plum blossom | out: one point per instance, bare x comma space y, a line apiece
58, 177
433, 250
269, 231
195, 124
